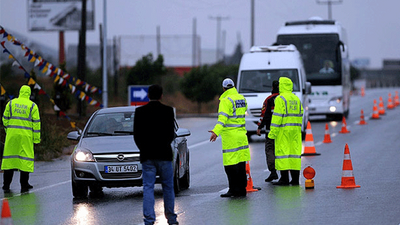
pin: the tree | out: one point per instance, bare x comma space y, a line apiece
199, 85
146, 71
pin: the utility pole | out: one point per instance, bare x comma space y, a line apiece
82, 55
252, 24
105, 80
218, 19
329, 3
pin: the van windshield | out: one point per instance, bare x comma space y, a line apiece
261, 80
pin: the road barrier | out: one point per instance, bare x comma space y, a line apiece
309, 148
327, 137
344, 127
348, 180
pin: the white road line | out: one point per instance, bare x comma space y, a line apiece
40, 189
198, 144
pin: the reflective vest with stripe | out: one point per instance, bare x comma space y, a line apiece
286, 130
231, 127
21, 121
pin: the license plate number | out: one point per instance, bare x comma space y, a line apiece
121, 169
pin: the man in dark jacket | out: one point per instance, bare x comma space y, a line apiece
266, 116
154, 130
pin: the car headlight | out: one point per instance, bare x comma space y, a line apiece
83, 155
335, 100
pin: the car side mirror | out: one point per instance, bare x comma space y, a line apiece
307, 89
182, 132
74, 136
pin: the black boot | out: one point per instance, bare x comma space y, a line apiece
295, 177
7, 178
284, 181
272, 176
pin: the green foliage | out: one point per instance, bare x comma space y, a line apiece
202, 84
146, 71
53, 140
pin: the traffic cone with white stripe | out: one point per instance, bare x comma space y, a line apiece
327, 137
396, 99
390, 102
381, 108
348, 180
6, 213
309, 148
375, 112
362, 120
362, 91
250, 187
344, 127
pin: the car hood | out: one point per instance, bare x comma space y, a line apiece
109, 144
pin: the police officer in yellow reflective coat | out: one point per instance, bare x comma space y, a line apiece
235, 146
21, 122
286, 130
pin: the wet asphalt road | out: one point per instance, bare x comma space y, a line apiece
374, 150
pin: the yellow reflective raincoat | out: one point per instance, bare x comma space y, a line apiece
286, 127
21, 122
231, 127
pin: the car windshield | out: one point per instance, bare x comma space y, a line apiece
119, 123
261, 80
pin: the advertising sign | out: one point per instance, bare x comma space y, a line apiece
138, 95
58, 15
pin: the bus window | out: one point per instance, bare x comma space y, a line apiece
317, 51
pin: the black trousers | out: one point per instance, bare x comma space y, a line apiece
8, 176
237, 178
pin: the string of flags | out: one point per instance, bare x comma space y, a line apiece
36, 86
63, 79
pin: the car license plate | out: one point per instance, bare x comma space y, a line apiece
121, 169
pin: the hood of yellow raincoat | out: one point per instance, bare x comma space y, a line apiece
25, 92
285, 85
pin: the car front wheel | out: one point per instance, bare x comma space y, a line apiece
177, 187
79, 190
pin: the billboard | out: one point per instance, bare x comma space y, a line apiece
58, 15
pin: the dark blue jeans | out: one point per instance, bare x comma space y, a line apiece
150, 169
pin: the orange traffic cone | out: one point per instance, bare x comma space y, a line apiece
344, 127
381, 108
250, 187
348, 180
396, 99
375, 112
362, 92
309, 148
6, 213
390, 102
362, 120
327, 137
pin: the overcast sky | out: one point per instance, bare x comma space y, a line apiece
373, 26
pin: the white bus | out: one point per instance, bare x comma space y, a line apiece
323, 46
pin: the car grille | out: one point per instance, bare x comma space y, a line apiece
113, 158
256, 112
121, 175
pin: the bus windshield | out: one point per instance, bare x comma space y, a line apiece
261, 80
321, 56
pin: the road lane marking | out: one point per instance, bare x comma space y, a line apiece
40, 189
199, 144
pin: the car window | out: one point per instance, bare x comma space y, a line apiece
111, 124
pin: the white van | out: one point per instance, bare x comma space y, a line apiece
262, 65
